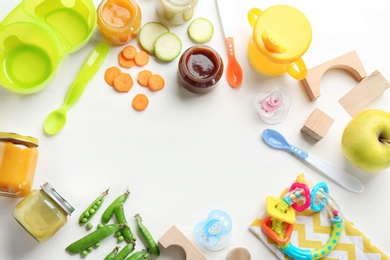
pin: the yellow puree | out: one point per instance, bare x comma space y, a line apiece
17, 169
39, 215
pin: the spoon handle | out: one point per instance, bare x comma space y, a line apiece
298, 152
90, 66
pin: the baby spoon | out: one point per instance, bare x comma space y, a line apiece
56, 120
275, 140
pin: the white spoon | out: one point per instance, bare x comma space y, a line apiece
276, 140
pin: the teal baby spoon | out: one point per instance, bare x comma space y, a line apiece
56, 120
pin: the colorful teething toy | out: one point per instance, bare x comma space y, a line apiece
280, 223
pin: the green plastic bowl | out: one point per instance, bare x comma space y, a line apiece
36, 36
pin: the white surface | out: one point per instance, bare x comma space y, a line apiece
187, 154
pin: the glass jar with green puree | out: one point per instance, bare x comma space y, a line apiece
176, 11
42, 212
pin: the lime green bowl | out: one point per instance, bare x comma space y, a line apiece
36, 36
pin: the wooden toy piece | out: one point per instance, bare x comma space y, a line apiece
239, 253
349, 62
364, 93
175, 237
317, 125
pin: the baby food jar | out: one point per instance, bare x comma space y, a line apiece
119, 21
42, 212
176, 11
199, 69
18, 159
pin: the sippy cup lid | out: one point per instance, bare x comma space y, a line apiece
215, 232
282, 33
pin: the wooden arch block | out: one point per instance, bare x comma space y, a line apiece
175, 237
349, 62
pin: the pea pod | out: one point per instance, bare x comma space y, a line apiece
112, 254
93, 238
140, 255
149, 240
125, 251
109, 212
121, 219
92, 208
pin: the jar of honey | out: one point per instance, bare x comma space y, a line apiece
42, 212
119, 21
176, 11
200, 68
18, 159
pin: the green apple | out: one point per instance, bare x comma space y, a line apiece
366, 140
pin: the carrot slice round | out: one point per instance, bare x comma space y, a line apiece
156, 82
143, 77
141, 58
129, 52
126, 63
110, 74
140, 102
123, 82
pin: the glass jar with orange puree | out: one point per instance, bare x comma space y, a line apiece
18, 159
119, 21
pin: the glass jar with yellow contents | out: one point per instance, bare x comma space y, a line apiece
119, 21
18, 159
42, 212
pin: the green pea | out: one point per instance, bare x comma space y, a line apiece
100, 225
109, 212
112, 254
120, 238
90, 249
145, 234
89, 226
84, 253
125, 251
93, 238
121, 219
92, 208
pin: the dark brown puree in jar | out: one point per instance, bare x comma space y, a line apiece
200, 68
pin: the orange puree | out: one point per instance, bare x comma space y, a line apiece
17, 168
119, 20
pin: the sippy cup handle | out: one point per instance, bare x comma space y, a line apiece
253, 15
298, 71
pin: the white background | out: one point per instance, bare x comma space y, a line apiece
186, 154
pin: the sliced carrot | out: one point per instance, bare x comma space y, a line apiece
141, 58
140, 102
123, 82
129, 52
110, 74
143, 77
156, 82
127, 63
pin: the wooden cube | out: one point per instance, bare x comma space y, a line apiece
317, 125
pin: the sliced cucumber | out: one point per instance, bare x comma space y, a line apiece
201, 30
167, 46
149, 34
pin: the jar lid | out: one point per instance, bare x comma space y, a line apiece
53, 194
180, 3
282, 33
19, 139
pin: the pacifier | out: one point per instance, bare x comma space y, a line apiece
215, 232
273, 105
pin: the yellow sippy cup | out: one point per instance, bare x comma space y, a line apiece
281, 35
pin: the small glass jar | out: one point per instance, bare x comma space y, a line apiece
199, 69
119, 21
42, 212
176, 11
18, 159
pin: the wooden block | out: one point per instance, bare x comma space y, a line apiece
349, 62
239, 253
175, 237
364, 93
317, 125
